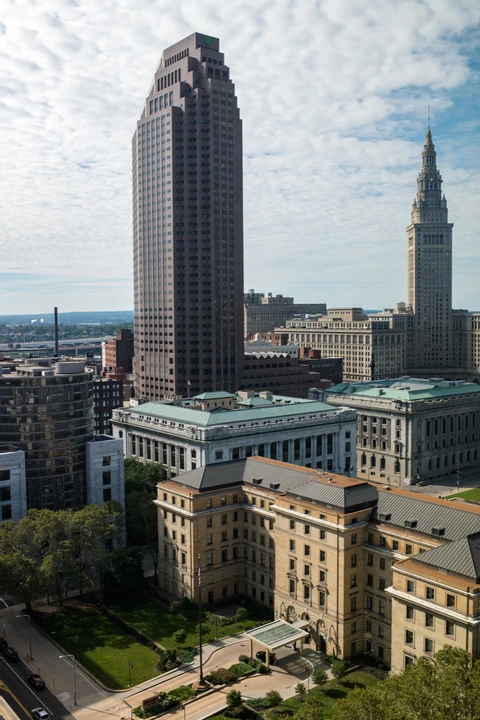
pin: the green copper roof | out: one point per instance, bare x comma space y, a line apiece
217, 395
406, 388
279, 408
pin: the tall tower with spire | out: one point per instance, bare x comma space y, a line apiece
429, 253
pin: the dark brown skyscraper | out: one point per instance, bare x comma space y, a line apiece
188, 226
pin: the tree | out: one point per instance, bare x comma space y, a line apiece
300, 689
124, 573
311, 709
234, 698
273, 698
180, 636
319, 677
143, 477
446, 688
339, 669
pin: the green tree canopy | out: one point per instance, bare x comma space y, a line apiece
143, 477
448, 687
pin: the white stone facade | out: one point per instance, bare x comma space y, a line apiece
105, 475
319, 437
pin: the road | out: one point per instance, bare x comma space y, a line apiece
23, 698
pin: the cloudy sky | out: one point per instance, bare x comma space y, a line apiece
333, 96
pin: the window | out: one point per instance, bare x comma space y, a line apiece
354, 539
323, 556
410, 586
210, 558
450, 600
369, 559
428, 645
428, 619
224, 555
292, 545
370, 580
395, 545
381, 563
353, 603
381, 584
4, 475
107, 460
292, 564
409, 637
353, 560
306, 569
306, 550
409, 612
218, 454
322, 535
224, 519
408, 549
107, 478
323, 575
382, 606
107, 494
321, 598
292, 524
430, 593
307, 530
353, 628
292, 586
306, 592
449, 628
353, 581
408, 661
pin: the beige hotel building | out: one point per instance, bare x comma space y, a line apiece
372, 569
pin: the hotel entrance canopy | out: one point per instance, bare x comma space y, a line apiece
275, 635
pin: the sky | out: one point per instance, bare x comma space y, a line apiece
333, 95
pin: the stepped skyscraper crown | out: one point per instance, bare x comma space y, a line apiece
188, 226
429, 258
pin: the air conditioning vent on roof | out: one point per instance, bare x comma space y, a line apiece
438, 531
411, 523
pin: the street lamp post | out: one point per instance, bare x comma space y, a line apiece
72, 657
130, 666
27, 617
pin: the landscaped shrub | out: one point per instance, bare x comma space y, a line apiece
244, 658
273, 698
168, 660
240, 615
319, 677
241, 669
339, 668
165, 701
222, 676
234, 698
263, 669
180, 636
252, 662
186, 654
300, 689
184, 692
175, 607
260, 703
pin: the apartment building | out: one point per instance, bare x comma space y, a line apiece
411, 429
348, 557
213, 427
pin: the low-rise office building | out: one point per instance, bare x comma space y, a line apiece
359, 563
187, 433
370, 348
411, 429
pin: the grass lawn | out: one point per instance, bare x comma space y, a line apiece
102, 647
159, 624
328, 694
473, 495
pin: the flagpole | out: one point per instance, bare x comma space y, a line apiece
200, 618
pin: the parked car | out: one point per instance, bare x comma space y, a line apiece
262, 655
3, 643
36, 681
10, 654
40, 714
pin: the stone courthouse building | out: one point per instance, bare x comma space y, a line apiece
370, 568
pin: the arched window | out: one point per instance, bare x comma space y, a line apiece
364, 459
397, 466
373, 461
382, 463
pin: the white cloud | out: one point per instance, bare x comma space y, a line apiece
333, 97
